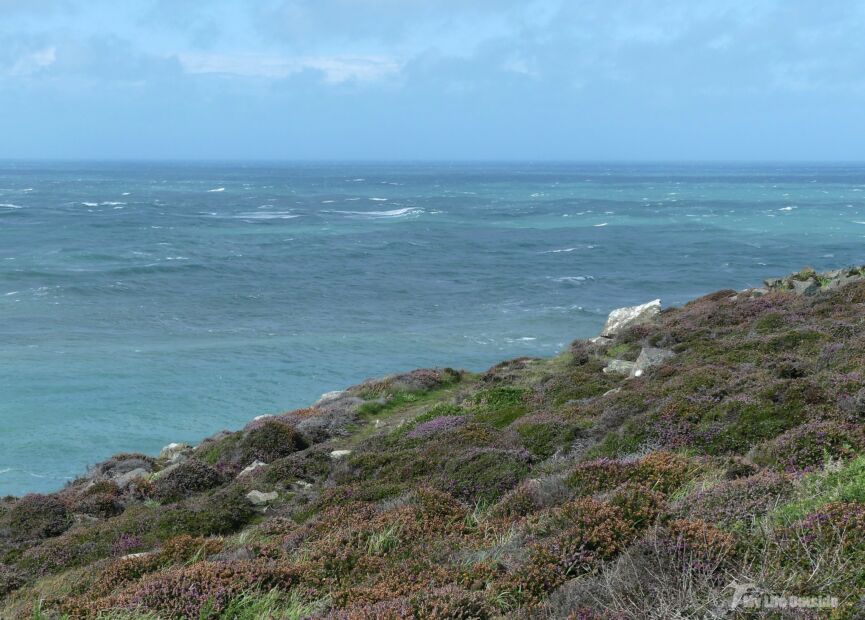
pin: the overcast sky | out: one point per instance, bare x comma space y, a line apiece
433, 79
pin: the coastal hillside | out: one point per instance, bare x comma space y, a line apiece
688, 462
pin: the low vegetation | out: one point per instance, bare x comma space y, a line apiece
542, 488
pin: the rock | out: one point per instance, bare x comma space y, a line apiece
328, 396
338, 454
263, 417
254, 466
841, 280
622, 318
303, 485
124, 480
805, 287
258, 498
619, 366
601, 340
650, 357
175, 452
759, 292
773, 282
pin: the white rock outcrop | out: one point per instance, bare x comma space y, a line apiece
621, 318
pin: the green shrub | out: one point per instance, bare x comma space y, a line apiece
39, 516
270, 441
186, 479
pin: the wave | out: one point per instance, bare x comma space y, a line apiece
378, 199
90, 204
383, 214
9, 205
601, 224
573, 279
215, 190
111, 204
265, 215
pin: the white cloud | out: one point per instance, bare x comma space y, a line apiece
32, 62
335, 69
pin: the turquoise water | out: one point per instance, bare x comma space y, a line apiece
149, 303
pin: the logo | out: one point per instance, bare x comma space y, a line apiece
749, 596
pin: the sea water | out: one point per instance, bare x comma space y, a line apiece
145, 303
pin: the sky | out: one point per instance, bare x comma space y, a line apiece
680, 80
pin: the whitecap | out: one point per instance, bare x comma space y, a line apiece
855, 222
216, 189
380, 214
786, 208
125, 194
112, 204
559, 251
327, 202
265, 215
379, 199
602, 224
90, 204
9, 205
573, 279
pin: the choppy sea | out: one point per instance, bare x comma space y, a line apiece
147, 303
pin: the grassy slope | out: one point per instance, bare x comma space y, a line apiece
542, 488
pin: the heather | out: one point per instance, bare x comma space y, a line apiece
569, 487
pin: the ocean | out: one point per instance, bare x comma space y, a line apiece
145, 303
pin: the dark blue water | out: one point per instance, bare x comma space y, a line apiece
149, 303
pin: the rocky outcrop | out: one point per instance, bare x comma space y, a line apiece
810, 282
650, 357
622, 318
622, 367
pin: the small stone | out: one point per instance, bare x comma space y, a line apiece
260, 498
619, 366
254, 466
622, 318
338, 454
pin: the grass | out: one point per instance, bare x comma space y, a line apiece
836, 482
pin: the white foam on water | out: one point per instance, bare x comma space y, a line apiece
601, 224
559, 251
108, 203
215, 190
573, 279
382, 214
9, 205
90, 204
266, 215
786, 208
379, 199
